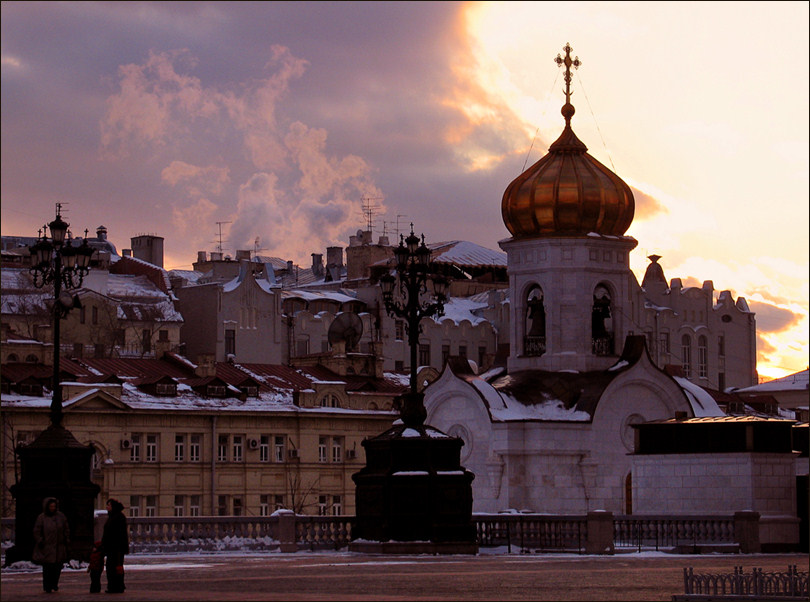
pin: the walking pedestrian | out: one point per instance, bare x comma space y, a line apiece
115, 541
51, 543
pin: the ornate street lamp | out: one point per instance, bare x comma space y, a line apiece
57, 261
413, 496
406, 296
55, 463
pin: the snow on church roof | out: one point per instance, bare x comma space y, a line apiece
458, 309
703, 404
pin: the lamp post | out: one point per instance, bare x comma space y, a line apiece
56, 261
413, 496
55, 463
411, 285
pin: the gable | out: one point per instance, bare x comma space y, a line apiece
94, 399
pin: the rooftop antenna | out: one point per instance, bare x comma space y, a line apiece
256, 247
219, 238
368, 209
396, 230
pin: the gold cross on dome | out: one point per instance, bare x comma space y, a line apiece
568, 62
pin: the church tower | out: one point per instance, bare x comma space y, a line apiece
568, 258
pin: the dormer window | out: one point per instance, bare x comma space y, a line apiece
215, 391
169, 389
330, 401
250, 390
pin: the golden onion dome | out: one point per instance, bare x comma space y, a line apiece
567, 192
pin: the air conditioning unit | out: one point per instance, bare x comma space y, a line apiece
351, 454
126, 443
292, 454
253, 443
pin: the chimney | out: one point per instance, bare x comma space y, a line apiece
101, 233
126, 253
289, 266
206, 366
216, 255
202, 256
242, 254
334, 256
317, 264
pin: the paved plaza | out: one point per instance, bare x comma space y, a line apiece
351, 576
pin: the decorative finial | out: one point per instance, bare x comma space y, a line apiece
568, 108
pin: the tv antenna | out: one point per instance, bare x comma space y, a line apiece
219, 237
368, 210
256, 248
396, 230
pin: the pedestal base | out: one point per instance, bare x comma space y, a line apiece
413, 496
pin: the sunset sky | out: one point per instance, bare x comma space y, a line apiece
279, 118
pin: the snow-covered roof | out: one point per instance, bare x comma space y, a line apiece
465, 253
314, 295
800, 381
458, 309
703, 404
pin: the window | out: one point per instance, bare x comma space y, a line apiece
424, 354
134, 505
215, 390
194, 505
399, 330
482, 354
302, 347
322, 505
721, 345
163, 335
264, 505
702, 357
238, 506
222, 505
602, 322
278, 448
82, 315
222, 448
179, 448
337, 449
462, 351
664, 343
322, 443
264, 448
445, 354
146, 340
135, 448
534, 341
686, 355
179, 505
230, 342
194, 447
151, 448
151, 505
278, 501
95, 315
238, 448
399, 366
721, 381
337, 505
166, 389
330, 400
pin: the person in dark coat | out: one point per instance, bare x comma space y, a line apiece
115, 542
51, 543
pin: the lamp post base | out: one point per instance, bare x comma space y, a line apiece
413, 496
56, 465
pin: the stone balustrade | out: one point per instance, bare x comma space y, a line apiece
597, 532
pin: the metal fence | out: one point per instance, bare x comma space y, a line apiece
757, 585
657, 532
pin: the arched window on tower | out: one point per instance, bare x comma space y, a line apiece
534, 342
686, 355
601, 322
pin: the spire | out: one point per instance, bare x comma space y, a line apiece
568, 109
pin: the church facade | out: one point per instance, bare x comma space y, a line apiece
552, 431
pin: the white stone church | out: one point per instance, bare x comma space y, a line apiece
551, 432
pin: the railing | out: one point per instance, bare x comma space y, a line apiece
757, 585
532, 532
598, 532
534, 345
672, 531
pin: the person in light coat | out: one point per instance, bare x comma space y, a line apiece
51, 543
